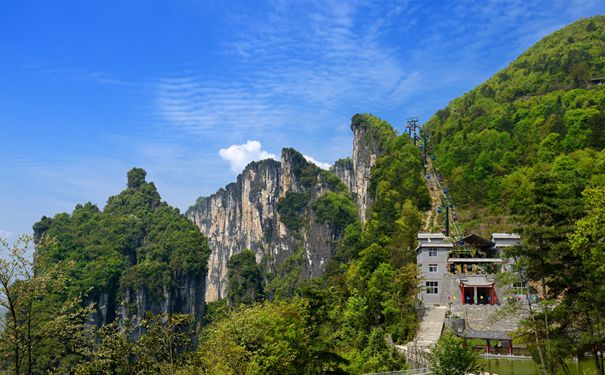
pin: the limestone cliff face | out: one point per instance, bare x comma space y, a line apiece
269, 209
185, 297
240, 216
365, 152
369, 136
245, 215
343, 169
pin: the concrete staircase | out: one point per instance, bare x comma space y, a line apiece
428, 335
431, 326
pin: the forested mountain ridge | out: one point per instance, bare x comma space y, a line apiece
137, 256
366, 292
547, 103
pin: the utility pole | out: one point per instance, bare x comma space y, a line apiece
425, 146
412, 125
447, 220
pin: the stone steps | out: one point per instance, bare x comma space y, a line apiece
431, 326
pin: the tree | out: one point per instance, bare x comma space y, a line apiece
268, 338
39, 333
588, 243
18, 290
450, 357
245, 279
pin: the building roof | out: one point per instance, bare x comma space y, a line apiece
476, 281
434, 245
476, 334
431, 238
431, 235
431, 244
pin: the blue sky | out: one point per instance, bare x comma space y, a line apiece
89, 89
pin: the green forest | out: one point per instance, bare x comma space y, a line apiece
119, 290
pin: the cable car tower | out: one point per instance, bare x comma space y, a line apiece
412, 125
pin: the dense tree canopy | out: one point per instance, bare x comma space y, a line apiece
136, 241
541, 106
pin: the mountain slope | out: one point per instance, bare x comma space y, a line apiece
545, 104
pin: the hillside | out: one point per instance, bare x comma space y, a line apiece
545, 105
293, 269
138, 255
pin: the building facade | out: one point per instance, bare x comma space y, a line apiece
461, 271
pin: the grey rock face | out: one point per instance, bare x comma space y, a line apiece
186, 297
240, 216
365, 153
343, 169
245, 214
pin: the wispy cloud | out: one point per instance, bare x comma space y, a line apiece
295, 68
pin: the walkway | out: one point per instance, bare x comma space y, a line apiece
428, 335
431, 326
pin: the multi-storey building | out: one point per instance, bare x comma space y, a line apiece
460, 271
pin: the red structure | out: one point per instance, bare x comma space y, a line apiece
477, 291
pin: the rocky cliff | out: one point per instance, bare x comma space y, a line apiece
275, 208
269, 209
241, 215
370, 136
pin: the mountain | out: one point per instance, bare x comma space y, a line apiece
546, 104
287, 208
138, 255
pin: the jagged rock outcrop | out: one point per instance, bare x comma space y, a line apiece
269, 210
370, 136
270, 207
241, 216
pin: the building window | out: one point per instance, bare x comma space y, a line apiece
432, 287
432, 253
432, 268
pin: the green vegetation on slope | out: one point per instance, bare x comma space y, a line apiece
527, 145
136, 242
539, 107
245, 279
368, 291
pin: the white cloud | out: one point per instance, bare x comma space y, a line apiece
320, 164
239, 156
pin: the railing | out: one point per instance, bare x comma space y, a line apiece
423, 371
